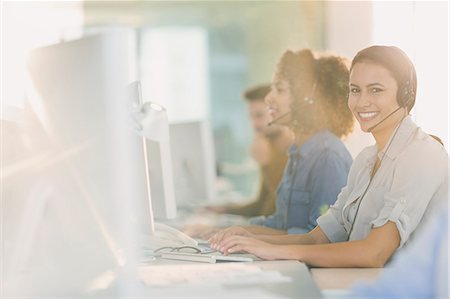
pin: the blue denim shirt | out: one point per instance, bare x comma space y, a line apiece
312, 179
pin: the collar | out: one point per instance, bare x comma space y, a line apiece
311, 145
398, 141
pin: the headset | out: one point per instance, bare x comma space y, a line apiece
405, 93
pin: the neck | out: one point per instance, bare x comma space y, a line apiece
382, 136
300, 138
284, 139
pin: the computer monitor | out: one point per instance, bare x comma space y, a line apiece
86, 183
193, 162
152, 124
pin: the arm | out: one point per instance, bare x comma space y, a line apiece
374, 251
415, 272
316, 236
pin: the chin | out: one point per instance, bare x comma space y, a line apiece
364, 128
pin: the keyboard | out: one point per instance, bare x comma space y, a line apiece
204, 258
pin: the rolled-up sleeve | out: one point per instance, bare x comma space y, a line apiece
331, 227
331, 222
414, 183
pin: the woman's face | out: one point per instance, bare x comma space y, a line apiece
373, 96
279, 101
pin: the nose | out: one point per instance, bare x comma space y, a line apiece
268, 98
362, 100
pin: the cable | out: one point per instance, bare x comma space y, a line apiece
372, 175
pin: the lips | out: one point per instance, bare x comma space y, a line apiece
273, 111
367, 116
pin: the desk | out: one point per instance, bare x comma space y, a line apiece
297, 282
342, 278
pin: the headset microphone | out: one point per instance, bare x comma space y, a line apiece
306, 100
279, 117
294, 108
378, 123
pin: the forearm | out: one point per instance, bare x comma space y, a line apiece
353, 254
287, 239
263, 230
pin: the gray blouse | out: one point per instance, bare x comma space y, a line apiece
411, 180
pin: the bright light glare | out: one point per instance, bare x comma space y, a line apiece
174, 71
420, 28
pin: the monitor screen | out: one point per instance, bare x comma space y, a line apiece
193, 162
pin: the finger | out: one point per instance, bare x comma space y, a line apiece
214, 240
230, 242
222, 235
238, 248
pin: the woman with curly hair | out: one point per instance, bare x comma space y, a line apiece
308, 95
393, 185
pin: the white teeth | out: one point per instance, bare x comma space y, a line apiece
367, 114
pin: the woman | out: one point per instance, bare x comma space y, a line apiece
391, 185
309, 95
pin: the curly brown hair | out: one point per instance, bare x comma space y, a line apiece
319, 86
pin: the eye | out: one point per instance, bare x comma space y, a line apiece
375, 90
354, 90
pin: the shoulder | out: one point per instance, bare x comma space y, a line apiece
424, 149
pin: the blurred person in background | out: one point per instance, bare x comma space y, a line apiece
269, 149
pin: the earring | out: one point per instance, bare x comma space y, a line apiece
308, 100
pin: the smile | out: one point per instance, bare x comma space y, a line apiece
366, 116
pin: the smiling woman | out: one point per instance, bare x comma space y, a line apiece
391, 187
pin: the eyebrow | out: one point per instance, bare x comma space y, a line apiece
370, 85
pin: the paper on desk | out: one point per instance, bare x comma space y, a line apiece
191, 274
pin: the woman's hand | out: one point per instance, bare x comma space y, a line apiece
216, 240
261, 249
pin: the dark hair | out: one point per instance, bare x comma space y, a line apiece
398, 64
256, 93
323, 79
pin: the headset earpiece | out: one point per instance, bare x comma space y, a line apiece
307, 101
405, 94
